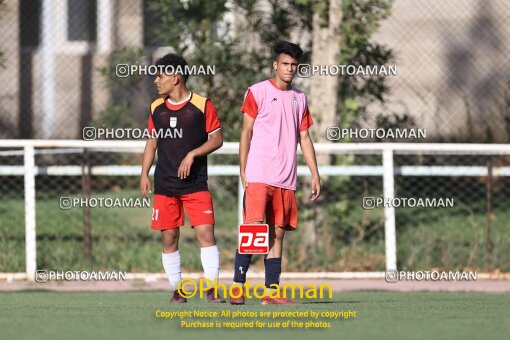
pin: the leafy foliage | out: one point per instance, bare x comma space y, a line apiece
360, 20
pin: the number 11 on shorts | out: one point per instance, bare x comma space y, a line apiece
253, 239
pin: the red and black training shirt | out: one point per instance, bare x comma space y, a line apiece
180, 129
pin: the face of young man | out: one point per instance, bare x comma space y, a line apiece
165, 83
285, 67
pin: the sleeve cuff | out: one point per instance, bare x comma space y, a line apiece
213, 131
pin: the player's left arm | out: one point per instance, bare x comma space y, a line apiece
306, 144
214, 142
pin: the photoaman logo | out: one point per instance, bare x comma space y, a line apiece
188, 288
253, 239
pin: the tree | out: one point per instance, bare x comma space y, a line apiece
341, 35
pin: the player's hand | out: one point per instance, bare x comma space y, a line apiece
145, 186
316, 189
185, 167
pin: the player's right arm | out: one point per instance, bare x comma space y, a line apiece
250, 110
244, 145
148, 158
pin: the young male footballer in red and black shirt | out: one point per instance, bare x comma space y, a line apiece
186, 128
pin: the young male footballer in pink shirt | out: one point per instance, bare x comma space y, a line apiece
275, 120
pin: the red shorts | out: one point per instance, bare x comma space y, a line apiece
168, 211
278, 205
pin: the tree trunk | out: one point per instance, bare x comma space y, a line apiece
86, 190
323, 99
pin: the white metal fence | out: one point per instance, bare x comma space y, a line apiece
387, 170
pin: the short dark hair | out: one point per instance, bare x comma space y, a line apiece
176, 61
288, 48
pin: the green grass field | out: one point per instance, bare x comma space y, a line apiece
380, 315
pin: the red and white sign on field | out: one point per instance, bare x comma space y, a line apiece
253, 239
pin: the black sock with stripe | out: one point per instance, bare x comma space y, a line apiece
241, 265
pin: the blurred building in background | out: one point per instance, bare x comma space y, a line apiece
453, 67
82, 36
452, 63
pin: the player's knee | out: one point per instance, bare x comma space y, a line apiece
205, 235
170, 245
279, 234
206, 240
170, 242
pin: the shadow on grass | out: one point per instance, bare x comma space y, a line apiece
328, 301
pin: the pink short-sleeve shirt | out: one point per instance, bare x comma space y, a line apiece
279, 118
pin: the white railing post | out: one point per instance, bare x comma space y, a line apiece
104, 25
30, 246
389, 211
48, 68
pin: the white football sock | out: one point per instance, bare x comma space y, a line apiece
172, 265
210, 257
